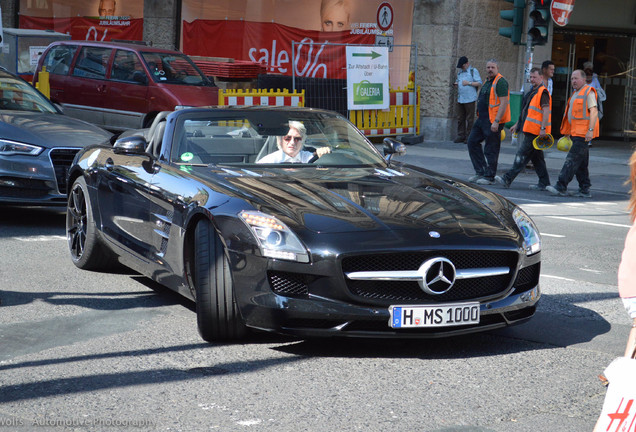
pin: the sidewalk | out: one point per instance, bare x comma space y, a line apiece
609, 169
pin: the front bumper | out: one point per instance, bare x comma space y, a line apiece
332, 311
41, 180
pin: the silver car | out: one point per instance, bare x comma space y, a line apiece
37, 144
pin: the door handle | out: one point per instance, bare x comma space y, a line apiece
101, 88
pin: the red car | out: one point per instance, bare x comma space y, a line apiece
122, 85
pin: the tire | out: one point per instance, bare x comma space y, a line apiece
87, 251
218, 317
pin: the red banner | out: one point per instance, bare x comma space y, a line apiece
271, 44
82, 28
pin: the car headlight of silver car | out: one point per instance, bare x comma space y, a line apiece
274, 238
531, 237
11, 148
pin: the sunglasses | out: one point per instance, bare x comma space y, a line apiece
288, 138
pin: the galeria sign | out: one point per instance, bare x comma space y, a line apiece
367, 77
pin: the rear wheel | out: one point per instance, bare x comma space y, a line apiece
218, 317
87, 252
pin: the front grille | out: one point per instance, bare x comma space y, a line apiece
288, 284
62, 160
385, 292
527, 278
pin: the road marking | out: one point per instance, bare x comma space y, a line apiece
591, 271
40, 238
558, 277
589, 221
552, 235
538, 202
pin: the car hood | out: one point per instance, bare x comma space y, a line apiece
49, 130
329, 200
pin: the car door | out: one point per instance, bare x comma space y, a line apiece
58, 61
131, 208
85, 87
126, 93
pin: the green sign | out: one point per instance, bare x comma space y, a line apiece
367, 78
367, 93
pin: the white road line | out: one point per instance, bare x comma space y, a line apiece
591, 271
589, 221
538, 204
558, 277
515, 199
39, 238
552, 235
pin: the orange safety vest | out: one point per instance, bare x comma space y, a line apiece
493, 104
576, 120
533, 121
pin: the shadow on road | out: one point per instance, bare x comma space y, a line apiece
16, 221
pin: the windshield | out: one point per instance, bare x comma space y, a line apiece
271, 137
173, 69
16, 94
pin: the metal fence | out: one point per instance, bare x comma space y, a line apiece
320, 70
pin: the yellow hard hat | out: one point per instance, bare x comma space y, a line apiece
564, 143
503, 134
542, 143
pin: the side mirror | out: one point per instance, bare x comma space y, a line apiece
131, 145
392, 147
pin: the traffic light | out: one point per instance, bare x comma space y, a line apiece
516, 16
540, 22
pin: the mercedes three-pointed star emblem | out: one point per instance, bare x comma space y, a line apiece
438, 275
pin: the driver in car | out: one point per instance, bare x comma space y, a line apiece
290, 147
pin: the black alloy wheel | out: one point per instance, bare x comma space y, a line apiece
87, 252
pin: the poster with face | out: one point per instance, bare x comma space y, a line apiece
263, 31
85, 19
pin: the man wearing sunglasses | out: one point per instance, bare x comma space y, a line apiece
290, 147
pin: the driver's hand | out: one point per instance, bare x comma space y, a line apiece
322, 151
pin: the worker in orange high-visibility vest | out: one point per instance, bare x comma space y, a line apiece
493, 111
580, 122
534, 121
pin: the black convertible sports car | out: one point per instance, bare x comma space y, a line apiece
290, 220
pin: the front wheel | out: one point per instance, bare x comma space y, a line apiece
87, 251
218, 317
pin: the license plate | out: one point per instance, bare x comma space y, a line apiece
443, 315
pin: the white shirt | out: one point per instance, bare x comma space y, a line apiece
281, 157
467, 93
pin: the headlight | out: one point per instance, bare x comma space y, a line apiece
10, 148
531, 237
274, 238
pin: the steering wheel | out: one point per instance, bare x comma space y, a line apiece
314, 158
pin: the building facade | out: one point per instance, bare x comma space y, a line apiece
440, 31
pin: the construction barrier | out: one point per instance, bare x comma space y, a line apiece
402, 117
272, 97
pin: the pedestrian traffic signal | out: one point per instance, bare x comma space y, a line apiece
515, 15
540, 22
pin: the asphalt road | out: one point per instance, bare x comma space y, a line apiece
92, 351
